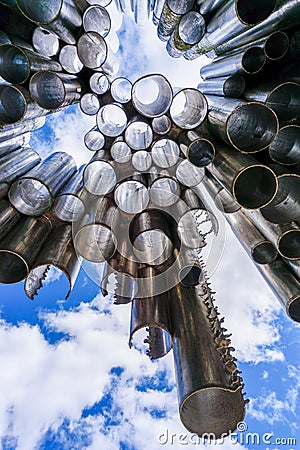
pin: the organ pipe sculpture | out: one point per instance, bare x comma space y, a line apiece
140, 209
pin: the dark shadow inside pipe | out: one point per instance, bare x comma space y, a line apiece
255, 11
285, 101
13, 267
285, 149
277, 45
253, 60
190, 275
47, 89
14, 65
294, 309
289, 244
264, 253
40, 11
201, 152
12, 105
254, 186
234, 86
251, 127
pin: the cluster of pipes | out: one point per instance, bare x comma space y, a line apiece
139, 212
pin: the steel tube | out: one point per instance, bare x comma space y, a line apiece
248, 127
96, 18
68, 205
161, 125
188, 174
158, 7
138, 134
112, 119
208, 387
17, 64
92, 50
196, 148
152, 95
222, 198
44, 42
120, 151
165, 153
17, 163
69, 59
189, 270
251, 184
99, 176
187, 33
285, 149
209, 6
89, 104
283, 98
170, 16
94, 140
99, 83
9, 216
11, 131
20, 247
33, 193
61, 17
132, 196
188, 109
141, 161
120, 90
57, 252
230, 86
164, 191
14, 143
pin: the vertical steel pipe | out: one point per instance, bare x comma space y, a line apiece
199, 150
90, 104
170, 16
285, 149
99, 176
165, 152
94, 140
68, 205
17, 163
188, 109
96, 18
152, 95
161, 125
187, 33
138, 134
44, 42
69, 59
112, 119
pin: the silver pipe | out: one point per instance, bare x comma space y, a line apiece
17, 163
120, 151
252, 185
89, 104
164, 191
138, 134
189, 270
283, 98
165, 152
61, 17
285, 286
285, 149
209, 388
161, 125
170, 16
99, 83
17, 64
92, 50
9, 216
132, 196
231, 19
152, 95
69, 59
94, 238
158, 7
196, 148
44, 42
68, 205
32, 194
120, 90
247, 62
10, 145
286, 15
209, 6
96, 18
188, 109
94, 140
13, 23
221, 197
20, 247
230, 86
112, 119
11, 131
141, 161
99, 176
57, 252
187, 33
188, 174
248, 127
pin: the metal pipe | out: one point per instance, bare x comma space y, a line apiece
17, 163
221, 197
44, 42
94, 140
285, 286
208, 386
161, 125
150, 235
189, 270
247, 62
10, 131
99, 83
141, 161
209, 6
92, 50
131, 195
284, 207
9, 216
170, 16
151, 312
252, 185
17, 64
285, 15
158, 7
20, 247
99, 176
138, 134
186, 33
68, 205
112, 119
94, 238
96, 18
249, 127
120, 151
33, 193
57, 252
89, 104
69, 59
230, 86
164, 191
165, 152
61, 17
188, 109
188, 174
141, 11
51, 90
12, 144
120, 90
196, 148
13, 23
283, 98
231, 19
152, 95
285, 149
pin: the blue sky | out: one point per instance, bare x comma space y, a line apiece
68, 379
